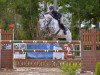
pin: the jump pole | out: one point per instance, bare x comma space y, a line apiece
39, 41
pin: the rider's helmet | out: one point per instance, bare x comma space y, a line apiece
52, 8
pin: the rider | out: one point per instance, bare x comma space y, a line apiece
58, 17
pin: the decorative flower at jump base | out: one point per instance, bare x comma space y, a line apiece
11, 25
6, 23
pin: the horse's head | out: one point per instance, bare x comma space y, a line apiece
44, 21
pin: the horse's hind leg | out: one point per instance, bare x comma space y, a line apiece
68, 36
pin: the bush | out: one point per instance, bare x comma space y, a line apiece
70, 68
97, 70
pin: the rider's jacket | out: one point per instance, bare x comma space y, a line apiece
56, 15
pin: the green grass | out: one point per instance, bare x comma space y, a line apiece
97, 70
70, 68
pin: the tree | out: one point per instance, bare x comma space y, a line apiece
29, 12
6, 13
24, 14
81, 10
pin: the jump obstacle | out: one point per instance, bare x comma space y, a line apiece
7, 55
41, 62
38, 62
90, 52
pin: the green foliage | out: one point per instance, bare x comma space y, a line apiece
6, 14
5, 22
24, 12
84, 9
75, 33
28, 9
97, 70
70, 68
81, 10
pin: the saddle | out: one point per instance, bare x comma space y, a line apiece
56, 36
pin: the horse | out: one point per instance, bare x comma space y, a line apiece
48, 23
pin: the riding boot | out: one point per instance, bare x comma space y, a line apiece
62, 27
64, 32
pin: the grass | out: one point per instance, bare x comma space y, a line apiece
70, 68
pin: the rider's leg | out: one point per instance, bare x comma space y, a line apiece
62, 27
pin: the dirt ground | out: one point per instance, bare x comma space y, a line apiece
36, 71
32, 71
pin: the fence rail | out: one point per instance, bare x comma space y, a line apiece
38, 41
40, 51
